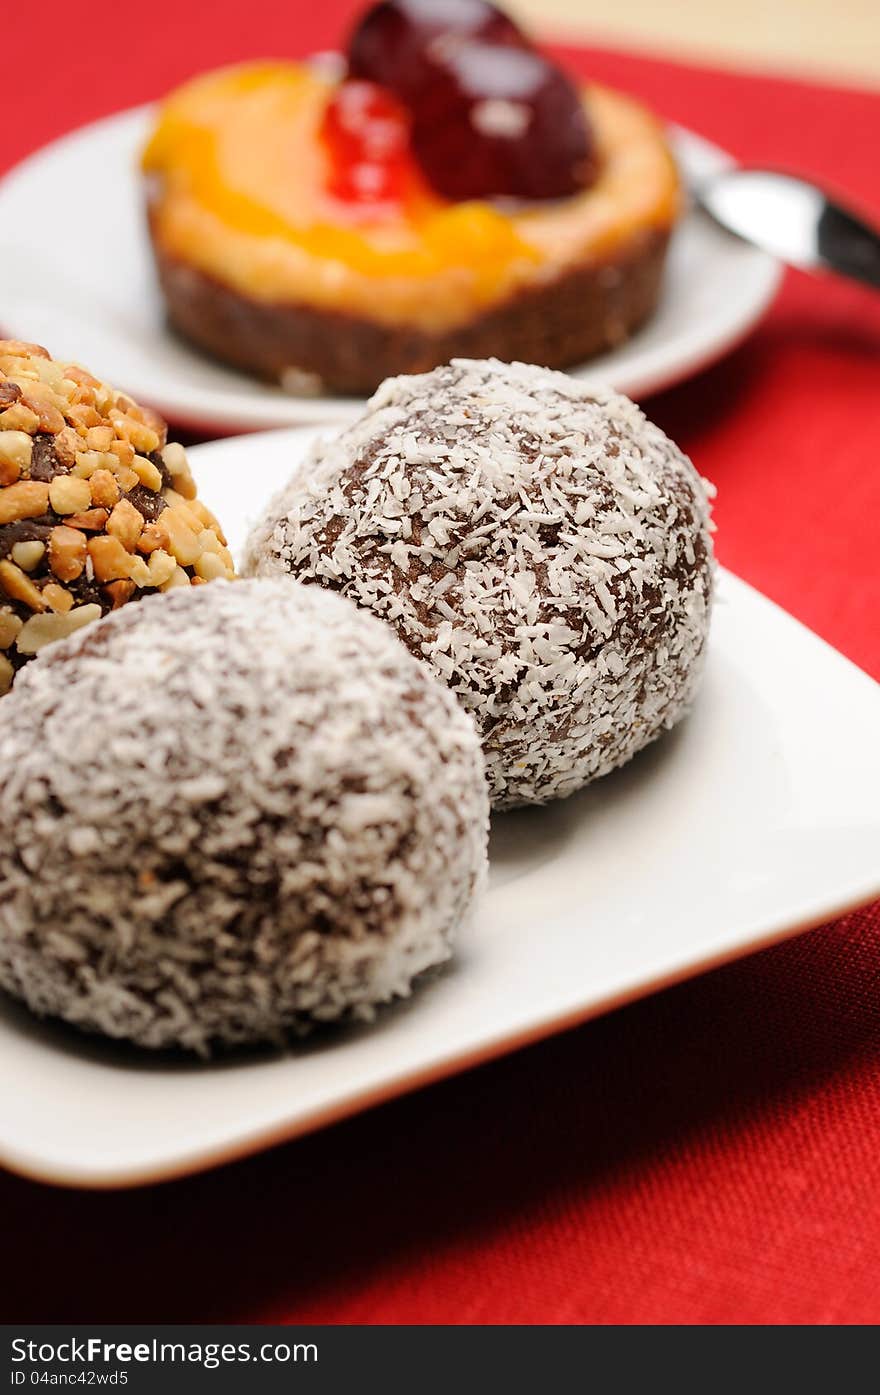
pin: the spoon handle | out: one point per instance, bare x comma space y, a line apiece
848, 246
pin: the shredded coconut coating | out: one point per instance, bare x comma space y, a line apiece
537, 540
230, 813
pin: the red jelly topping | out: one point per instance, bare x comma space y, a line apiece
391, 42
367, 133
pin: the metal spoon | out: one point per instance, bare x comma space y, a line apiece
794, 220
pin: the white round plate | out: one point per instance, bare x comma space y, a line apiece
83, 285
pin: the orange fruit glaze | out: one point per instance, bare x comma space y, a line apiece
238, 179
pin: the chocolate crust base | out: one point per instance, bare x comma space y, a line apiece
313, 350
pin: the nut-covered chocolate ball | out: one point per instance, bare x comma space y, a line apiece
230, 813
96, 509
535, 539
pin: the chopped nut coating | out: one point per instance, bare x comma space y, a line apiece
97, 507
28, 555
26, 499
67, 494
126, 524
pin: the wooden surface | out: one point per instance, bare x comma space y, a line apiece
835, 40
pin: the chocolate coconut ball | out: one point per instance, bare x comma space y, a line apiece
539, 542
96, 509
232, 813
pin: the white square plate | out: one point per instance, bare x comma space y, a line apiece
755, 819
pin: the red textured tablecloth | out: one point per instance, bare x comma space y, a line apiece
709, 1155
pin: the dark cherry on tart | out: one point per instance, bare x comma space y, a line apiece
453, 193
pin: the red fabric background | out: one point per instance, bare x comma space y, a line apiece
710, 1155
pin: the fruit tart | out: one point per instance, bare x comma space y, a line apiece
443, 190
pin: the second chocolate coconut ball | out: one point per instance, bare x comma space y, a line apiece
231, 813
537, 540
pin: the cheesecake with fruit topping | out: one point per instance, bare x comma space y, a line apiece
449, 192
